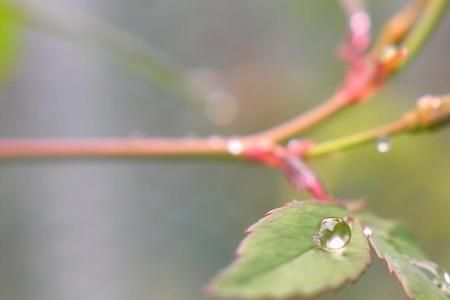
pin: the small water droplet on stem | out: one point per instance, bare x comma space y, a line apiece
235, 147
367, 232
383, 145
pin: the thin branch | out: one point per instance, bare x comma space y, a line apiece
432, 14
365, 76
364, 79
353, 52
396, 29
114, 148
430, 112
307, 120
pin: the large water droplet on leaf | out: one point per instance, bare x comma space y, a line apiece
436, 274
333, 234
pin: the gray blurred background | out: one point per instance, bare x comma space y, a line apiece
105, 229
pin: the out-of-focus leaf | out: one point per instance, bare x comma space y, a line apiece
396, 246
9, 39
278, 258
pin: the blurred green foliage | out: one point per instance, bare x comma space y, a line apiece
10, 40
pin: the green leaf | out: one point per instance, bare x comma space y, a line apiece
10, 30
396, 245
278, 258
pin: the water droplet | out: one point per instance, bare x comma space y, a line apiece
333, 234
436, 274
367, 231
383, 145
235, 147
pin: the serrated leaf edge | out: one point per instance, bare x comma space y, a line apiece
209, 289
391, 270
386, 260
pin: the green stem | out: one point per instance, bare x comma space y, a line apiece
426, 25
414, 41
430, 113
346, 143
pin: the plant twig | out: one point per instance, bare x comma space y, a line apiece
432, 14
366, 75
429, 113
353, 52
395, 30
369, 74
114, 148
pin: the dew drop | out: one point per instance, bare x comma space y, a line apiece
437, 275
367, 232
235, 147
383, 145
332, 234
